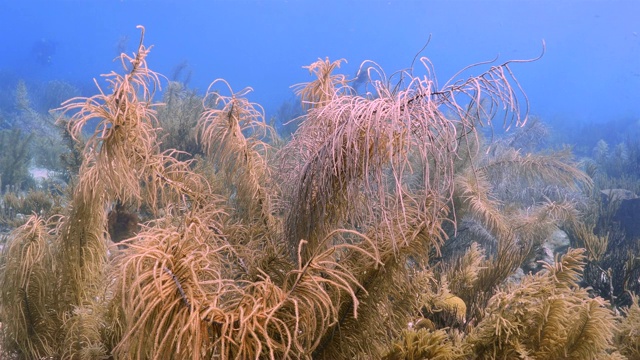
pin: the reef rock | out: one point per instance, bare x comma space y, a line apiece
628, 216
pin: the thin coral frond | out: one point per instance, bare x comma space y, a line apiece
627, 333
464, 272
592, 333
423, 344
26, 283
322, 90
554, 168
473, 189
567, 272
595, 245
164, 279
124, 141
545, 316
356, 147
233, 134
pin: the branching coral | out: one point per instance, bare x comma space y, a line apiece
546, 317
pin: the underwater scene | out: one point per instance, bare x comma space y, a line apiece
273, 179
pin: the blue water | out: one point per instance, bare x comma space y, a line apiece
590, 71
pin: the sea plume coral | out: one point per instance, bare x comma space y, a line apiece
308, 253
547, 316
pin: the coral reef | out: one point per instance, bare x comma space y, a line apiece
386, 227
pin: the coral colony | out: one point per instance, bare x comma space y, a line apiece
388, 223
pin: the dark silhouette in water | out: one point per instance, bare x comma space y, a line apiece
121, 223
43, 51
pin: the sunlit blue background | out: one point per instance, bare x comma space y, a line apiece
590, 71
